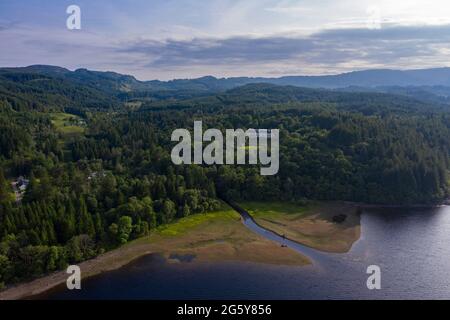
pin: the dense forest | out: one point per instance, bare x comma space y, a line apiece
94, 149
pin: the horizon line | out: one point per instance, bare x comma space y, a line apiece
221, 78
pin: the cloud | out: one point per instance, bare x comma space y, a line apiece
233, 50
329, 49
322, 52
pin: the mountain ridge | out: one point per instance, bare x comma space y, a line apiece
104, 89
365, 78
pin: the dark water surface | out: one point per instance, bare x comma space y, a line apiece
411, 247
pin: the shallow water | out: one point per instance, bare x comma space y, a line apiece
411, 247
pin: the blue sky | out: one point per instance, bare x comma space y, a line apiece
166, 39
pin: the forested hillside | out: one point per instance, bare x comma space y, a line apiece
100, 172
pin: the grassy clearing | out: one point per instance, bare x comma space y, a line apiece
67, 124
275, 209
311, 224
188, 223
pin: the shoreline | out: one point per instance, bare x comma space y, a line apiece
90, 268
228, 240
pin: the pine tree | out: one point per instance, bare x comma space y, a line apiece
85, 222
5, 188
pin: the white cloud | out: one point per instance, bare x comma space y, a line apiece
171, 39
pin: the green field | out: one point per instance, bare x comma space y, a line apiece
276, 209
68, 124
186, 224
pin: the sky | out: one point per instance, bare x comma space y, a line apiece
167, 39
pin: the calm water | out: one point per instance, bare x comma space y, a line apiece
412, 249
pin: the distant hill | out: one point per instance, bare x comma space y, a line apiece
260, 95
365, 78
372, 78
44, 87
38, 85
